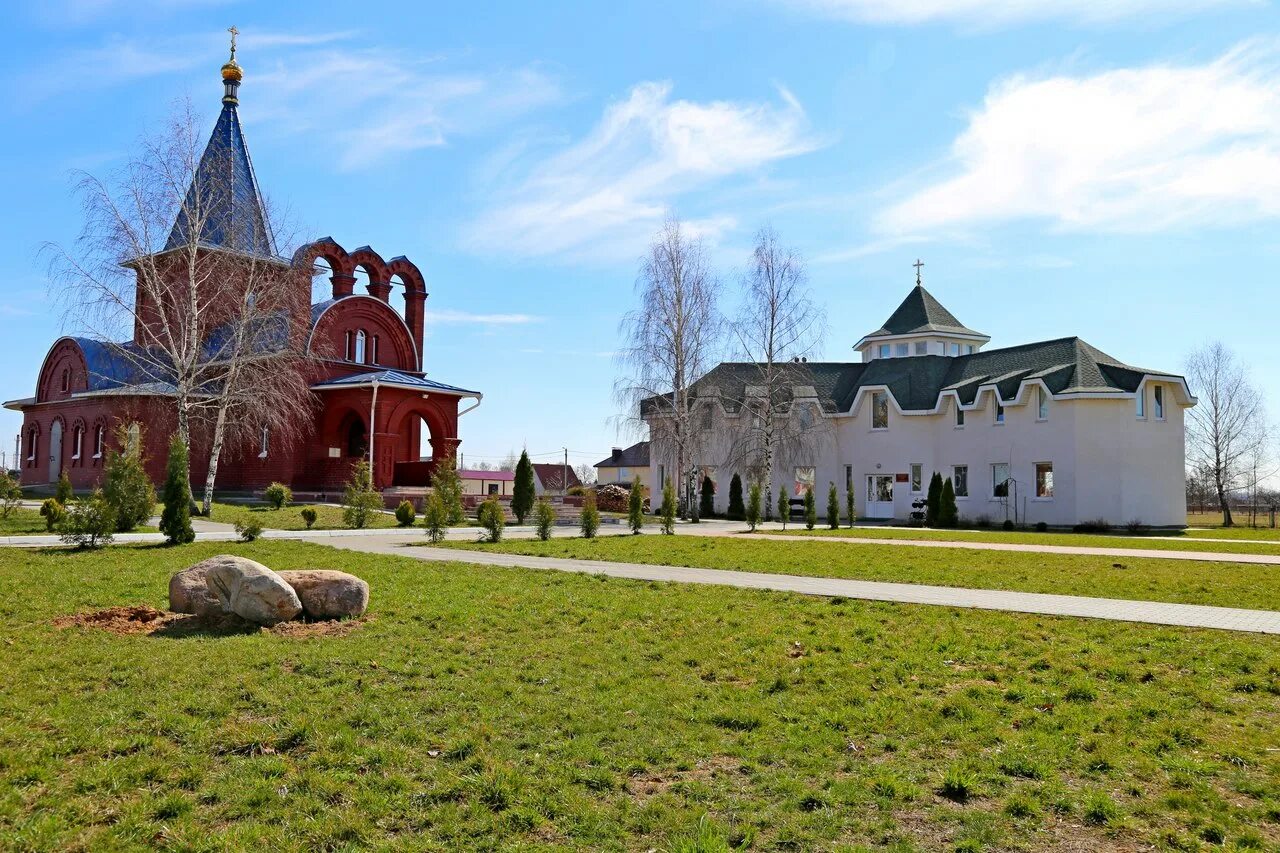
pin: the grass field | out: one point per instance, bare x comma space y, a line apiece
489, 708
1210, 541
290, 518
21, 522
1191, 582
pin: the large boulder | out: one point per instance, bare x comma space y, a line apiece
251, 590
327, 594
188, 592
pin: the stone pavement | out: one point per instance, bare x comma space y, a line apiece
1149, 612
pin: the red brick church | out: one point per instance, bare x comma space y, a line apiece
372, 397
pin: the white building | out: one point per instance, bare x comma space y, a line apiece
1055, 431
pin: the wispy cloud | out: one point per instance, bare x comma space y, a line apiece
1129, 150
450, 317
76, 12
604, 194
986, 14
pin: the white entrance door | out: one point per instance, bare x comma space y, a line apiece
55, 452
879, 496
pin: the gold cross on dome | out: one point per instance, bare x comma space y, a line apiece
234, 32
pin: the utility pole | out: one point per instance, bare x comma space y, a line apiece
564, 477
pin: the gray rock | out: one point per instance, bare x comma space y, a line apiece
188, 592
251, 590
326, 594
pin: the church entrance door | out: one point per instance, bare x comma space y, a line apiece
879, 496
55, 452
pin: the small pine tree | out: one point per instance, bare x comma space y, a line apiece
435, 518
850, 508
635, 507
833, 507
933, 500
309, 516
707, 498
126, 486
544, 518
492, 519
64, 494
668, 513
754, 499
736, 509
175, 522
10, 494
448, 486
277, 495
525, 491
810, 509
360, 500
589, 521
53, 513
784, 508
406, 514
89, 522
948, 515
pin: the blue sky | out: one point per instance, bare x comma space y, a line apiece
1101, 168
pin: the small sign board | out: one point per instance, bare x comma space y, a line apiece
901, 478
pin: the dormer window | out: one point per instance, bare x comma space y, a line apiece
879, 410
999, 413
922, 347
1142, 403
902, 351
959, 416
955, 349
884, 350
1158, 398
1042, 405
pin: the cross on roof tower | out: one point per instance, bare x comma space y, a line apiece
918, 264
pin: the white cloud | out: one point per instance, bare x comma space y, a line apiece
1130, 150
450, 317
984, 14
605, 194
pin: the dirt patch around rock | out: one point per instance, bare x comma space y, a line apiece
140, 619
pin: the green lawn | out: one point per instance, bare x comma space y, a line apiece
1198, 541
22, 521
290, 518
484, 708
1192, 582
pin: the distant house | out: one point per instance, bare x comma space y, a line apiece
624, 466
487, 482
549, 478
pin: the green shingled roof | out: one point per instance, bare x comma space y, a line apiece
920, 313
1065, 365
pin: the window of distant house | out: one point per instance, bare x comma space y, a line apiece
99, 438
706, 416
265, 441
922, 347
493, 488
972, 349
960, 480
373, 351
955, 349
1000, 480
902, 350
1158, 399
361, 338
879, 410
1142, 403
999, 413
959, 415
884, 350
917, 478
1042, 405
1044, 479
806, 417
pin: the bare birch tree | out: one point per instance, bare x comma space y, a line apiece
1227, 428
669, 341
216, 329
778, 329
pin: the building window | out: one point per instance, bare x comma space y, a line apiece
99, 439
999, 413
902, 350
806, 417
1158, 398
1000, 480
972, 349
848, 479
346, 349
705, 416
361, 338
266, 441
955, 349
879, 410
79, 443
960, 480
1042, 405
493, 488
1142, 402
66, 380
884, 350
1044, 479
373, 351
917, 478
959, 415
662, 476
31, 445
922, 347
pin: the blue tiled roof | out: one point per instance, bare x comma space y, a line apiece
224, 182
110, 366
391, 377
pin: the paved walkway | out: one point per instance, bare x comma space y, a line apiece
1150, 612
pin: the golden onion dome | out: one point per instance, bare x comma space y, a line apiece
232, 71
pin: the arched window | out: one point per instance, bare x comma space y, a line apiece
66, 380
266, 438
31, 445
99, 441
346, 350
360, 342
373, 351
78, 446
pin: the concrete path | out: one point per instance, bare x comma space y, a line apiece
1149, 612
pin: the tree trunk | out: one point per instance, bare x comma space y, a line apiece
1225, 506
215, 451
